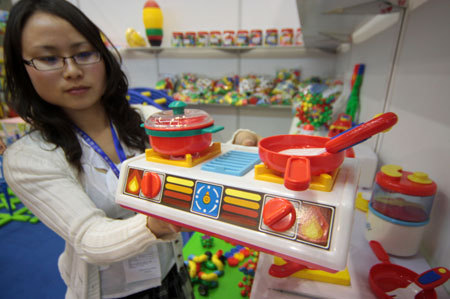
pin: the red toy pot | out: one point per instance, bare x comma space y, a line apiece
180, 131
298, 157
179, 146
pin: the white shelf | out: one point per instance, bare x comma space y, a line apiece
244, 52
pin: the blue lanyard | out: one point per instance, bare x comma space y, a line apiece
119, 150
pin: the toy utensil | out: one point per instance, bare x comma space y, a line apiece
388, 280
425, 281
298, 157
355, 135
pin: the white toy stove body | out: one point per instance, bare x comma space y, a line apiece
214, 198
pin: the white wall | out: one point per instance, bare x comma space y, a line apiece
420, 97
421, 90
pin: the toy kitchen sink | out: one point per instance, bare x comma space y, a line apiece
228, 193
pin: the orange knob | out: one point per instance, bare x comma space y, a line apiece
279, 214
151, 184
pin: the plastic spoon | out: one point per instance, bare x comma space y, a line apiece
425, 281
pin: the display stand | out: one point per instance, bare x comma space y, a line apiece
360, 260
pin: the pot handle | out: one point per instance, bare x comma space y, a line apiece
379, 251
212, 129
297, 175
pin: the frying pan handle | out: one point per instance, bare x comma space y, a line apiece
297, 175
379, 251
361, 132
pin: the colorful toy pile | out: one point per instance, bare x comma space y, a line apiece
234, 90
206, 269
314, 102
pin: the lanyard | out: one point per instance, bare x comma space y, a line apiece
119, 150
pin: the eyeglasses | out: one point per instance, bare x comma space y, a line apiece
50, 63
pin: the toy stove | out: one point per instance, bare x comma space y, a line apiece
228, 193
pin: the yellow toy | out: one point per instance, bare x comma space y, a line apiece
153, 22
134, 39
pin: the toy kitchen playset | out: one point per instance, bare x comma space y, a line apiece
292, 196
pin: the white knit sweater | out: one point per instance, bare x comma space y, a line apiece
49, 186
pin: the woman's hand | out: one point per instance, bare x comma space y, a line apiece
246, 138
161, 228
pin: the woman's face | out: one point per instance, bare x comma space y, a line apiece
75, 88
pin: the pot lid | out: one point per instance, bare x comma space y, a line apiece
178, 119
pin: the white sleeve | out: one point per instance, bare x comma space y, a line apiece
45, 183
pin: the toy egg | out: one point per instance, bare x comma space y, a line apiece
153, 22
399, 209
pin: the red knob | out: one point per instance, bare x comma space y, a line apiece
279, 214
151, 184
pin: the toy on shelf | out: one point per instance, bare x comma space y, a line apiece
134, 39
314, 102
149, 96
399, 209
356, 82
389, 280
153, 22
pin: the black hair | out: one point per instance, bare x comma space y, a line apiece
50, 119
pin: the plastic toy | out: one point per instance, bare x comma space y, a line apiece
153, 22
181, 131
299, 157
149, 96
134, 39
399, 209
207, 241
282, 268
353, 100
388, 280
223, 195
197, 267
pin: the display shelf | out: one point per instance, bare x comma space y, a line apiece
200, 105
247, 52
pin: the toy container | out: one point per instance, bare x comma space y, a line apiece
399, 209
215, 38
271, 38
298, 37
229, 37
177, 39
286, 37
256, 37
203, 39
190, 39
242, 38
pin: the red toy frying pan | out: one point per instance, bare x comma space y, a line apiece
393, 281
298, 157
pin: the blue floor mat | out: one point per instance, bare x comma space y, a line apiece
28, 258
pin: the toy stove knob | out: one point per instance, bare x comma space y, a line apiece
151, 184
279, 214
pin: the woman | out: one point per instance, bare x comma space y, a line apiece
65, 83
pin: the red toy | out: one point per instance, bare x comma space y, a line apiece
393, 281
